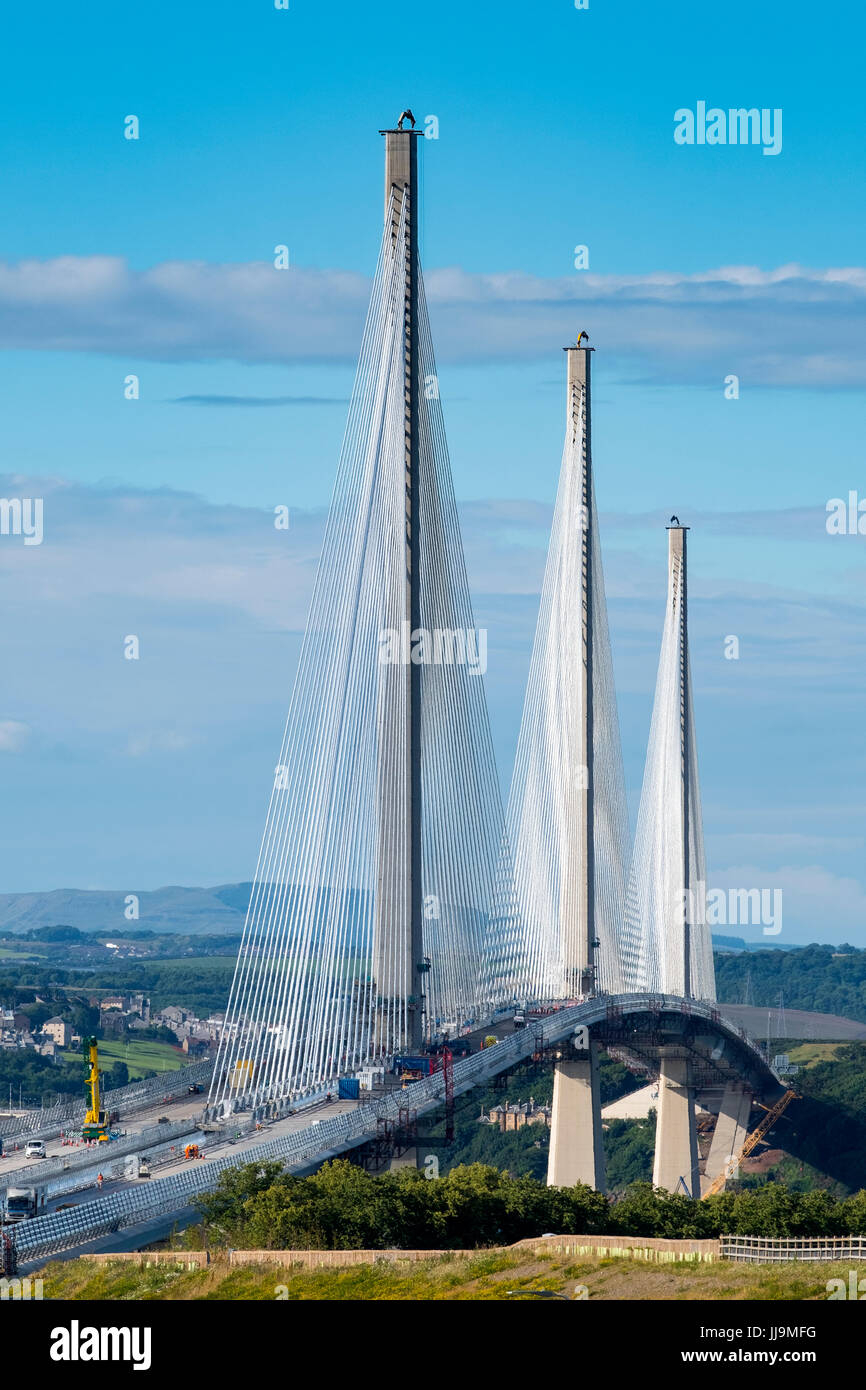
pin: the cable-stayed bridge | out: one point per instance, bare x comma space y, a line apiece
394, 900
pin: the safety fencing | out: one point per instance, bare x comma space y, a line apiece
782, 1249
138, 1095
47, 1235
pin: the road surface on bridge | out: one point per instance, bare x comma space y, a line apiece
185, 1107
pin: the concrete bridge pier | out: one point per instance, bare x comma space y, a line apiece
576, 1148
676, 1152
732, 1126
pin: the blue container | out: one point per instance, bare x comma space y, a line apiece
425, 1065
349, 1088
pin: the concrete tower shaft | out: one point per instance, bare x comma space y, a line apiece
678, 598
399, 909
578, 906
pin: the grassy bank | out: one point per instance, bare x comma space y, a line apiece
485, 1277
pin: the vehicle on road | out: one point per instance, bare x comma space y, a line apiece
519, 1020
22, 1203
35, 1149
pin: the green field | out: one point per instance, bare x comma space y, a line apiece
138, 1056
807, 1054
484, 1277
202, 965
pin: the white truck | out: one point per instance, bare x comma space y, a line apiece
21, 1203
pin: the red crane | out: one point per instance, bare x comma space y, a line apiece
446, 1063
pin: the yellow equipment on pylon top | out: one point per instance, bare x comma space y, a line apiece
94, 1126
752, 1140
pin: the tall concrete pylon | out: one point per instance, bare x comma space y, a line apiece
679, 592
576, 1152
669, 873
667, 889
399, 897
567, 815
374, 891
577, 887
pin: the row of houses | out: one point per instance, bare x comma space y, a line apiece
118, 1014
16, 1031
197, 1036
123, 1013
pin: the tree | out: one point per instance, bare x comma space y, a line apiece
118, 1075
223, 1206
58, 933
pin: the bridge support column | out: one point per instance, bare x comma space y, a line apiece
676, 1153
576, 1148
732, 1126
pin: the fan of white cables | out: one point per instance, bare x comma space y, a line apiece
324, 973
667, 903
564, 897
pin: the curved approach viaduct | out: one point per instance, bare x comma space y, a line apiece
694, 1051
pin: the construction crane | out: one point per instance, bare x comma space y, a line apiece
446, 1065
752, 1140
94, 1126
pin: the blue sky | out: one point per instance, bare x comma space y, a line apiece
154, 257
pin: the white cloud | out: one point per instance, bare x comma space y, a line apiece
817, 905
157, 741
776, 845
13, 735
778, 327
166, 547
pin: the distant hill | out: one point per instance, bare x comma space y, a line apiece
187, 910
738, 943
817, 979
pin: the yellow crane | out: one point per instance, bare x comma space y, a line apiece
94, 1126
752, 1140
